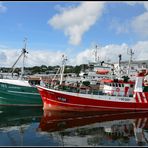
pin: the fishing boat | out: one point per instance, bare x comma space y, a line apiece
99, 128
18, 91
96, 70
116, 95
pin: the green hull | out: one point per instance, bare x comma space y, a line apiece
19, 95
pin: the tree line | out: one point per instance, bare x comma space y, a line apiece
46, 69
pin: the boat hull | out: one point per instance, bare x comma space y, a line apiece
11, 94
56, 100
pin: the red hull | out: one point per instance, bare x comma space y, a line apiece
54, 100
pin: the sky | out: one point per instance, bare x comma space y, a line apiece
73, 29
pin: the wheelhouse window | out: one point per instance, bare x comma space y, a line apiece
131, 85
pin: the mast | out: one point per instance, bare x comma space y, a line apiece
62, 68
119, 70
52, 81
23, 54
96, 54
130, 60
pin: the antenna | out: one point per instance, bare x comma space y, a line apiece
120, 57
25, 42
25, 46
130, 52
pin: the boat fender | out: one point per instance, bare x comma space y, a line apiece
112, 92
117, 89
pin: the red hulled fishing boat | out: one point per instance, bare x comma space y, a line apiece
116, 95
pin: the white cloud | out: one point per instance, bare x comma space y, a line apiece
137, 24
2, 8
7, 57
83, 57
145, 5
141, 51
120, 27
3, 57
140, 24
52, 58
76, 21
33, 58
43, 57
104, 53
111, 52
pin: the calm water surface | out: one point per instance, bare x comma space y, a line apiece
31, 126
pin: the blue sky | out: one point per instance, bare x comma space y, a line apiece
54, 28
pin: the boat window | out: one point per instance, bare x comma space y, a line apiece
116, 85
131, 85
119, 85
122, 85
110, 84
113, 84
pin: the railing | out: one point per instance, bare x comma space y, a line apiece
91, 89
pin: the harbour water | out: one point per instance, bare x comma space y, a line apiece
32, 126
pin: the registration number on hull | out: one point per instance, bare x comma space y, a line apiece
62, 99
124, 99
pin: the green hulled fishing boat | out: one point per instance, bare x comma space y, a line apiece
19, 91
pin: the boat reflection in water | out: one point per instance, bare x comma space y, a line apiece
90, 129
15, 121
